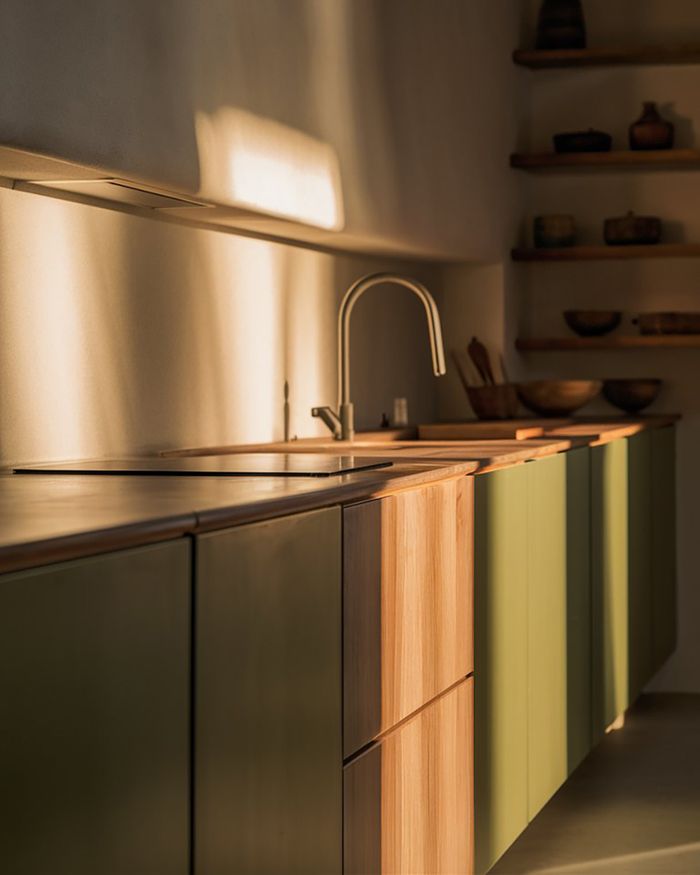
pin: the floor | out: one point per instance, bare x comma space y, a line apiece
632, 807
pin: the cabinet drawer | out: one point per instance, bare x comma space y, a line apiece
408, 798
407, 589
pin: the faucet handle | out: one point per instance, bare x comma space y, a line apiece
330, 418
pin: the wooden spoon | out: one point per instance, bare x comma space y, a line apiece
480, 356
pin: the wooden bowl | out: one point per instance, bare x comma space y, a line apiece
592, 323
557, 397
631, 395
494, 402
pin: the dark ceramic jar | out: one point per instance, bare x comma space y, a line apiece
561, 25
650, 131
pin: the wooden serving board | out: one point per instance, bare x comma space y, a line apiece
501, 429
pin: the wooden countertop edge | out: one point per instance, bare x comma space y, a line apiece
628, 426
81, 545
371, 487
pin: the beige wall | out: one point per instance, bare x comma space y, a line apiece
406, 105
121, 335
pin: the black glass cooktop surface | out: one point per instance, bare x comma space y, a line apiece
238, 465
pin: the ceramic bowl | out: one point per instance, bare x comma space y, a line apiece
592, 323
557, 397
631, 395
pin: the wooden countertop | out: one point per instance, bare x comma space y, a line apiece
52, 518
555, 436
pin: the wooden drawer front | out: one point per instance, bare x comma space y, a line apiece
408, 799
407, 604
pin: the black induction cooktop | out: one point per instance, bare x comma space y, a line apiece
238, 465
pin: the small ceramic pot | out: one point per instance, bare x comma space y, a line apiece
561, 25
554, 232
650, 131
632, 230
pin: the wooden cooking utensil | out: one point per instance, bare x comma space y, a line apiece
482, 362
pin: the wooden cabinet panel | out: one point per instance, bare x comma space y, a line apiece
663, 597
94, 715
407, 604
501, 755
640, 556
408, 798
559, 622
610, 575
268, 756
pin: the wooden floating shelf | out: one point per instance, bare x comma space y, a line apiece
607, 57
632, 341
662, 159
608, 253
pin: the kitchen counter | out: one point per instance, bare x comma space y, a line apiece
556, 436
51, 518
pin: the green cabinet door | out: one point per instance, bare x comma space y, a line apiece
268, 752
578, 606
94, 715
663, 596
610, 574
559, 622
500, 665
640, 568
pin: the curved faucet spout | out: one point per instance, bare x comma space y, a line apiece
353, 294
343, 425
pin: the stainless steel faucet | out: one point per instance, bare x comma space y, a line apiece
342, 423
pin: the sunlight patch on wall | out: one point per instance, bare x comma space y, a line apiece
44, 362
263, 165
310, 341
240, 348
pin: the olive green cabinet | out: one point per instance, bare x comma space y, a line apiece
622, 574
533, 644
94, 715
267, 731
610, 576
663, 539
500, 661
558, 622
640, 562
